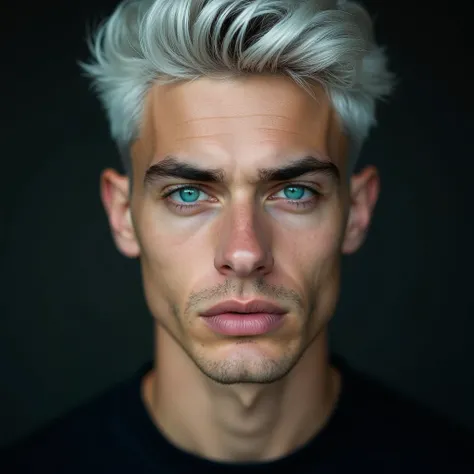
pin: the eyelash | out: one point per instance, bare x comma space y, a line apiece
295, 203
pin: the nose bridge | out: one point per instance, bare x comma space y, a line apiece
244, 242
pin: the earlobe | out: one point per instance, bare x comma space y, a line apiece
114, 189
365, 188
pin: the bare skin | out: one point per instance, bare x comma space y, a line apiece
250, 398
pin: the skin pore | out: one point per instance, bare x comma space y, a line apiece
249, 232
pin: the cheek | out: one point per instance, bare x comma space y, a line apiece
165, 276
172, 255
313, 247
316, 259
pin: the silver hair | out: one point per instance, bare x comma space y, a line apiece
146, 42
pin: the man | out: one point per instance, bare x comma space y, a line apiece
239, 124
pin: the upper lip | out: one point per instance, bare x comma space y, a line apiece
253, 306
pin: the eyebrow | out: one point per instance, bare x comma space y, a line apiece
172, 167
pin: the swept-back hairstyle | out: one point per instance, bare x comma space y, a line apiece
145, 42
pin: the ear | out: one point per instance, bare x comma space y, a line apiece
364, 192
114, 190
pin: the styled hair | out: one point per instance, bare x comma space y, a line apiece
147, 42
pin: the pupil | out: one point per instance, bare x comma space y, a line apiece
294, 192
188, 194
291, 192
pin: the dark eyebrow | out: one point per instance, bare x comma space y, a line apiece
299, 167
171, 167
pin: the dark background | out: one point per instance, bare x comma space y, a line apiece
73, 317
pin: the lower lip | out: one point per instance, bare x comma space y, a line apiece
251, 324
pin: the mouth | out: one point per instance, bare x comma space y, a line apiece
235, 318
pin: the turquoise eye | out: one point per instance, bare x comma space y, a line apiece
294, 192
186, 195
189, 194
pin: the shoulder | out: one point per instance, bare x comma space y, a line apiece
404, 431
91, 434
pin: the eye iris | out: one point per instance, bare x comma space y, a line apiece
294, 192
189, 194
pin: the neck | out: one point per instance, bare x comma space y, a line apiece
241, 422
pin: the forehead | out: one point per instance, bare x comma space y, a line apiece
266, 116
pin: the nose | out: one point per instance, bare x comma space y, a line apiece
243, 245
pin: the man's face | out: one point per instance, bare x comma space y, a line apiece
245, 232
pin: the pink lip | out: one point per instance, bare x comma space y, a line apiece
253, 306
234, 318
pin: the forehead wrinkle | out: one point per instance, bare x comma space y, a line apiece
266, 129
299, 113
218, 133
211, 135
278, 117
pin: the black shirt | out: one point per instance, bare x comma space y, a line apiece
370, 431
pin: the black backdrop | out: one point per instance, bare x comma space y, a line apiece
73, 317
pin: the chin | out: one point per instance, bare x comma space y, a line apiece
248, 361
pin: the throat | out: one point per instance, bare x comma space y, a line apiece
247, 425
246, 422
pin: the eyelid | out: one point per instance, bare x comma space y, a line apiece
200, 187
183, 208
173, 189
295, 185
